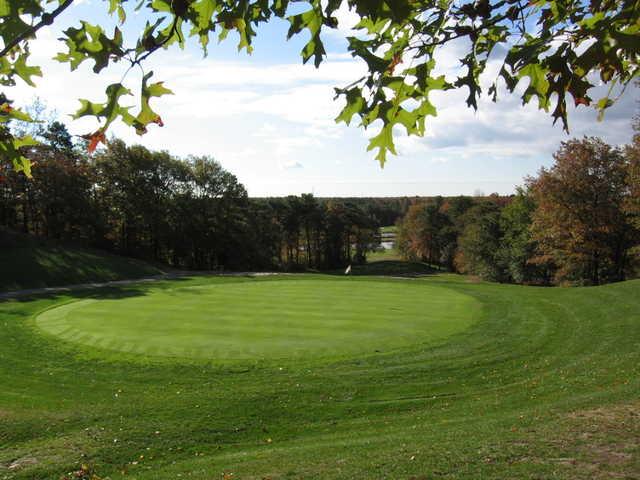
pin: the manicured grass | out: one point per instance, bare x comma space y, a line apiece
256, 320
543, 384
384, 255
40, 264
389, 229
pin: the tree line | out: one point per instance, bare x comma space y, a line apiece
187, 213
577, 222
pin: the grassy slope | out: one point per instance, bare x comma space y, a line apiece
545, 385
27, 263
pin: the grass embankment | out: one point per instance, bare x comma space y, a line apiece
26, 262
542, 384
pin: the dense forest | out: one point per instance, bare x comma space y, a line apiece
575, 223
188, 213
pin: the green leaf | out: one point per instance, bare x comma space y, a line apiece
10, 151
13, 15
25, 72
22, 164
538, 84
147, 115
7, 113
26, 141
355, 104
109, 111
116, 6
384, 143
311, 20
89, 42
602, 105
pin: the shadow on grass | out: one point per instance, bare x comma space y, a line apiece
95, 291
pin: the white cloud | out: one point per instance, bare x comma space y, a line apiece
274, 124
290, 165
347, 20
208, 73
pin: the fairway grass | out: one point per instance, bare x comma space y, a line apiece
256, 320
480, 380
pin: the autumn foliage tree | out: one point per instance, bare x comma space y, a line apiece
632, 206
577, 222
580, 222
426, 233
632, 152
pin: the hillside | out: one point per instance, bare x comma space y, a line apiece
30, 263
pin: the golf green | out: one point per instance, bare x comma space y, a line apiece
266, 319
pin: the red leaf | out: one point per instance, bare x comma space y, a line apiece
397, 59
95, 138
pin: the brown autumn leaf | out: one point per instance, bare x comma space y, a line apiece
94, 138
397, 59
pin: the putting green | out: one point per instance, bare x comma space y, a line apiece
266, 319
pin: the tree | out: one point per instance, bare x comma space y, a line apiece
455, 209
632, 205
134, 188
213, 216
556, 47
580, 224
362, 234
632, 153
426, 233
517, 246
309, 213
479, 243
64, 207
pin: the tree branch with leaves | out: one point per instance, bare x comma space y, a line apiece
559, 48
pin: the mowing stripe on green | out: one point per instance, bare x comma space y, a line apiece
267, 319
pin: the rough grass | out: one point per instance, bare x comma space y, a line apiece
28, 263
543, 385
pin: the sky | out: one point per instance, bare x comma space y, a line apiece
269, 119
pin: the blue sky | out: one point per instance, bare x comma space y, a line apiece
269, 119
